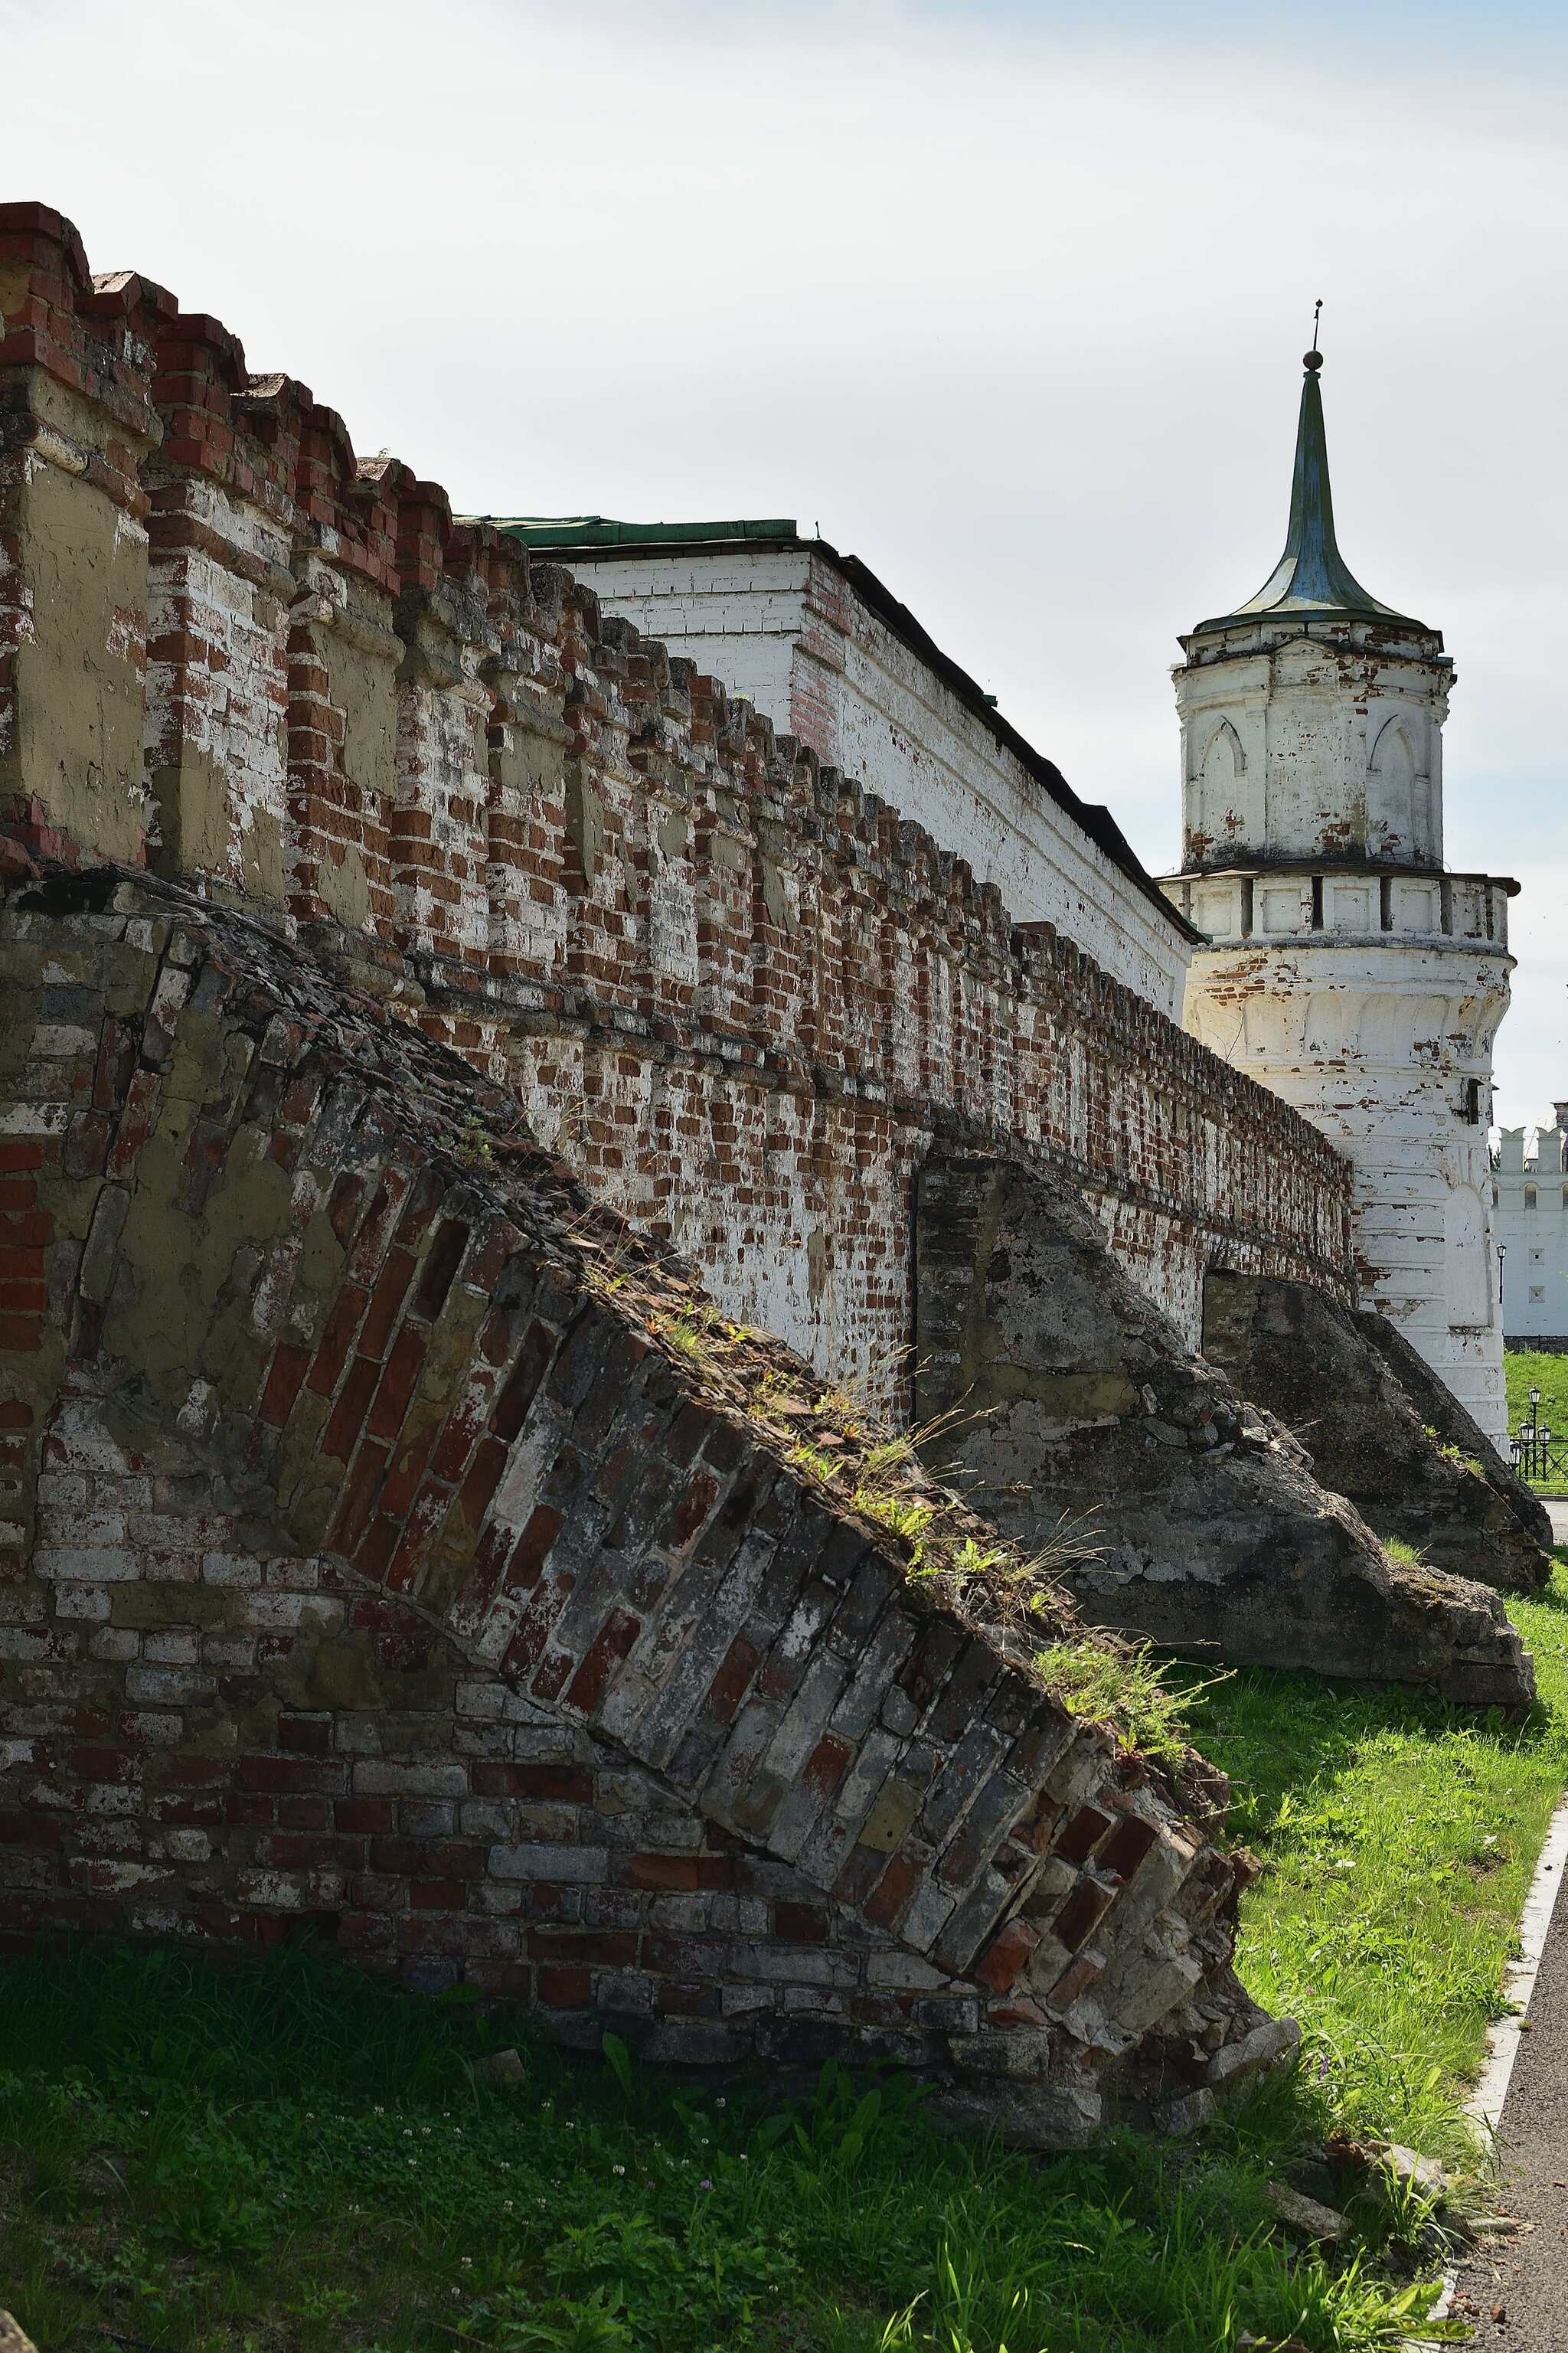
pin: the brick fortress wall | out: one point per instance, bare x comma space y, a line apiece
371, 1557
741, 995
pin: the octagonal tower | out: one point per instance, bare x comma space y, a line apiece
1347, 968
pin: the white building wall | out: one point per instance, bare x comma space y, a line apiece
1530, 1215
783, 626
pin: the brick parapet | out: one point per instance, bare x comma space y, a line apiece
687, 944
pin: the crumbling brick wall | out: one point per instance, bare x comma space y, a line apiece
374, 1558
740, 994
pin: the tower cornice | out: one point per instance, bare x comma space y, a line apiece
1269, 633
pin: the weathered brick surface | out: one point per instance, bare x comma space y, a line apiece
739, 994
375, 1558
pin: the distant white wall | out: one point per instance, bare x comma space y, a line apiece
1532, 1219
783, 626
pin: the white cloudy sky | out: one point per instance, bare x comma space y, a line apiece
1009, 298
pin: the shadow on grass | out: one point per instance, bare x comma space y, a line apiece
282, 2154
1279, 1731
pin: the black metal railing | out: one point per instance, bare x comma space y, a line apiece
1540, 1455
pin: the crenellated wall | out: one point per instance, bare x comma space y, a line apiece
1529, 1217
741, 995
825, 648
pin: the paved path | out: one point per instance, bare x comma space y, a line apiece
1527, 2278
1523, 2098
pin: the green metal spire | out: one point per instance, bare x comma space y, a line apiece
1312, 577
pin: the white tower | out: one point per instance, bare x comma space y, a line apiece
1347, 969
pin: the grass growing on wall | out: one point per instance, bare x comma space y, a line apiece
288, 2160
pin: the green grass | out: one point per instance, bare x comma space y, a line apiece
1400, 1838
287, 2160
1150, 1705
283, 2157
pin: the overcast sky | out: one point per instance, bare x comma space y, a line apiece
1010, 299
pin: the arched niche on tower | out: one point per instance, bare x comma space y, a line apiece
1479, 1017
1383, 1032
1216, 813
1265, 1026
1398, 792
1218, 1023
1333, 1022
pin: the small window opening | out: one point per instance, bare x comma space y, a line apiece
1317, 903
1530, 1197
1470, 1101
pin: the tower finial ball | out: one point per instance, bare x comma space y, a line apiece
1312, 360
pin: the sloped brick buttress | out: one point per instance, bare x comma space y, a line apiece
1380, 1426
1066, 1404
372, 1561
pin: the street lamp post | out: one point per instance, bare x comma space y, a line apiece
1529, 1437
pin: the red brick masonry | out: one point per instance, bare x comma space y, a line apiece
372, 1561
741, 995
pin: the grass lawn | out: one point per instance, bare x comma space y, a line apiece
287, 2160
1401, 1840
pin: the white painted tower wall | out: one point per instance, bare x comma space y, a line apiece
1347, 970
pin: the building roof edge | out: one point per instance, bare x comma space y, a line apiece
606, 538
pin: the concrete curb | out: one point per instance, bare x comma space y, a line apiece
1486, 2103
